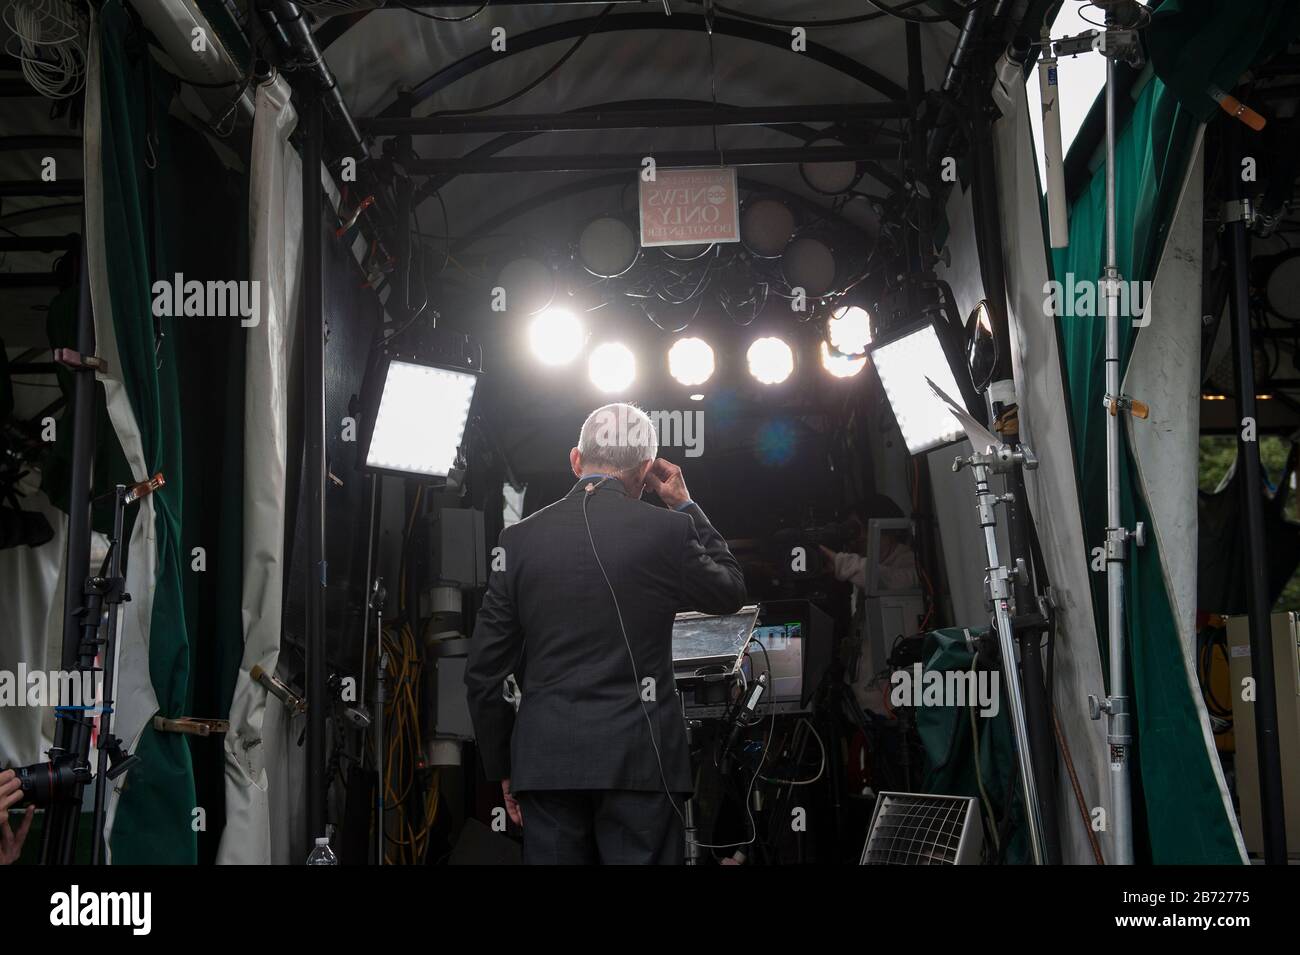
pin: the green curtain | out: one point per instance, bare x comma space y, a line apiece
172, 207
153, 821
1184, 819
1196, 46
951, 767
1200, 46
210, 358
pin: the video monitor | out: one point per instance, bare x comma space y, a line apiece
706, 640
784, 645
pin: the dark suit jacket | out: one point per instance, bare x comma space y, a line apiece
548, 617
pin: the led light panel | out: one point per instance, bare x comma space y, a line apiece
421, 419
903, 365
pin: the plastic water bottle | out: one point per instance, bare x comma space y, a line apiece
322, 854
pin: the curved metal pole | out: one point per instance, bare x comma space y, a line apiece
691, 23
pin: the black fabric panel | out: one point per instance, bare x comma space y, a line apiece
204, 215
352, 318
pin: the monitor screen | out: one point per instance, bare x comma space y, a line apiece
701, 639
784, 644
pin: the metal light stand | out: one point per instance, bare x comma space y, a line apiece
1119, 729
1238, 216
690, 827
113, 760
378, 595
1116, 42
104, 594
60, 829
999, 581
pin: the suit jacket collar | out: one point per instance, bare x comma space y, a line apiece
612, 483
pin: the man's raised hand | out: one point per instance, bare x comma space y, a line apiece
665, 479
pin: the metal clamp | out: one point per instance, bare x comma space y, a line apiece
76, 361
1127, 404
190, 725
1238, 210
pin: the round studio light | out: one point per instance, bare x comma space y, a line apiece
809, 264
842, 366
766, 226
607, 247
528, 286
690, 361
829, 178
688, 253
612, 367
770, 360
556, 336
849, 330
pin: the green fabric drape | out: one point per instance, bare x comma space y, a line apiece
1196, 48
1184, 819
154, 815
951, 766
210, 357
171, 207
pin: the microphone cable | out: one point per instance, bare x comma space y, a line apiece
663, 778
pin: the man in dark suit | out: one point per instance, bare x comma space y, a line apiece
591, 752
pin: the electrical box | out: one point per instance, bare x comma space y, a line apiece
449, 549
1286, 675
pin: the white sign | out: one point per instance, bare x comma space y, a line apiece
690, 206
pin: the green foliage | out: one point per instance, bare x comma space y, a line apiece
1217, 454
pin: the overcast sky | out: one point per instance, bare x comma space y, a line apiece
1079, 80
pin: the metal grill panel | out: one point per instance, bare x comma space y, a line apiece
923, 829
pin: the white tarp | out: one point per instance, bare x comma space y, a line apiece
1053, 494
260, 745
134, 700
964, 551
1164, 372
1052, 489
31, 605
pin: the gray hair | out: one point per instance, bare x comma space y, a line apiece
618, 437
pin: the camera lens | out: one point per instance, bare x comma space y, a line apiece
42, 783
37, 783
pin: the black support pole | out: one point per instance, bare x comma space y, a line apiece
1261, 631
61, 818
314, 466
